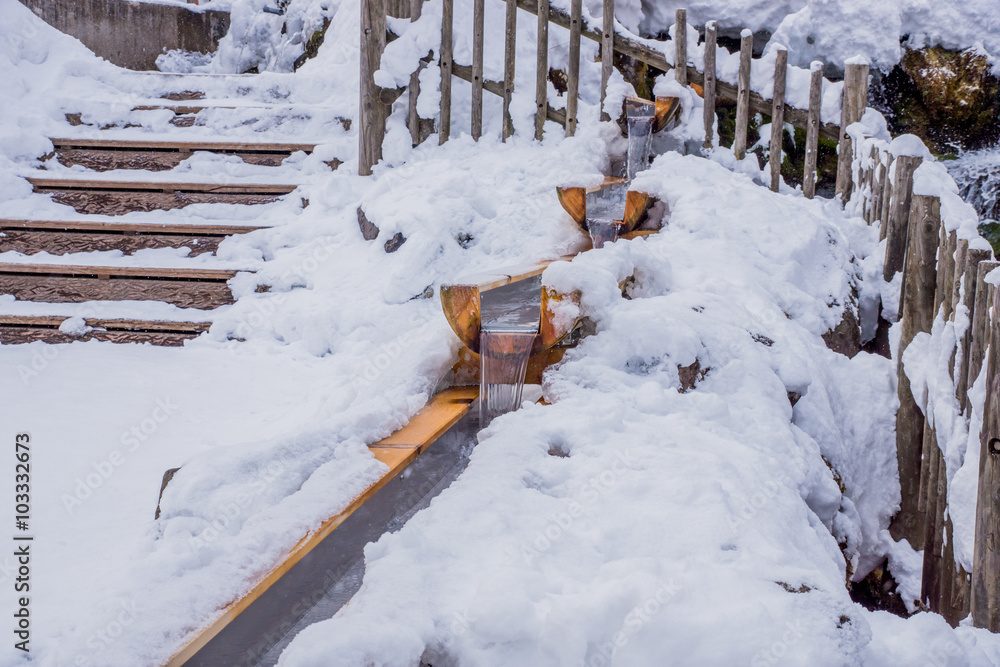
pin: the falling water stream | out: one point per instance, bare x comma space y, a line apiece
639, 116
510, 319
605, 209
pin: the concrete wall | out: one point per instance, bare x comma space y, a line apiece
133, 34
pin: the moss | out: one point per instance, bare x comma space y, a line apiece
312, 44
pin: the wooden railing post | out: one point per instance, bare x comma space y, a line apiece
711, 37
444, 120
542, 71
680, 47
743, 95
412, 116
877, 189
899, 215
607, 52
508, 66
853, 108
573, 70
478, 17
778, 116
812, 128
371, 117
920, 281
980, 324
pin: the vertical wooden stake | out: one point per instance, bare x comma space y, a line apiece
986, 560
778, 116
607, 52
980, 325
573, 73
973, 258
899, 215
877, 185
812, 128
711, 37
886, 207
917, 316
542, 71
444, 120
372, 115
478, 17
681, 46
508, 67
869, 203
413, 117
852, 109
743, 95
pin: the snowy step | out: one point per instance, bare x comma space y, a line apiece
110, 154
16, 329
55, 283
61, 237
109, 197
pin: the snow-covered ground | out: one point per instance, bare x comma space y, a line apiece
626, 523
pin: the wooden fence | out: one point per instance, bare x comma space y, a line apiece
941, 272
375, 100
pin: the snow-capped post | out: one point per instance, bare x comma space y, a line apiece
372, 114
986, 558
681, 46
478, 17
573, 70
711, 38
778, 115
917, 316
607, 52
743, 95
812, 128
444, 118
978, 331
899, 215
886, 206
508, 67
853, 106
542, 70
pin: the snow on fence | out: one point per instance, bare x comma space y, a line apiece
948, 422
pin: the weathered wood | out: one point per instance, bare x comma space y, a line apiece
508, 69
573, 68
680, 46
917, 316
812, 128
412, 115
478, 17
113, 272
50, 184
64, 143
979, 330
711, 38
973, 259
955, 589
932, 575
542, 70
75, 289
108, 160
887, 192
104, 202
855, 101
464, 72
607, 52
778, 116
868, 206
399, 9
120, 324
53, 336
877, 188
986, 560
115, 227
34, 241
947, 261
743, 96
372, 115
899, 215
445, 58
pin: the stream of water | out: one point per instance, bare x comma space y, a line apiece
639, 117
605, 210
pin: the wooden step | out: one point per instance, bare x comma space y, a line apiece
105, 197
109, 154
55, 283
16, 329
59, 237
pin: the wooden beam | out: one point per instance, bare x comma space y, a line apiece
478, 17
711, 37
445, 58
812, 128
216, 275
607, 51
899, 215
855, 101
743, 97
509, 57
573, 68
182, 146
48, 184
115, 227
680, 46
542, 69
778, 116
373, 112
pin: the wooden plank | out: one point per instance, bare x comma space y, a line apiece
812, 128
778, 116
440, 410
573, 68
899, 215
607, 51
108, 160
920, 281
510, 36
445, 58
183, 146
855, 100
139, 228
109, 202
53, 242
47, 184
21, 335
76, 289
372, 114
711, 39
478, 17
680, 46
986, 559
542, 69
980, 323
743, 96
54, 321
217, 275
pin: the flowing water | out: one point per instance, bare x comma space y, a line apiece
978, 177
639, 116
510, 319
605, 210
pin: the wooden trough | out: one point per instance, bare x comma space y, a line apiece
574, 202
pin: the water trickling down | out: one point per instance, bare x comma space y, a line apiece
978, 177
639, 115
510, 317
605, 208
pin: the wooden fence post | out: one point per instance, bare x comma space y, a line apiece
711, 37
680, 47
852, 109
573, 71
778, 116
886, 208
542, 71
743, 95
974, 258
986, 561
812, 128
478, 18
607, 52
868, 206
980, 324
877, 188
371, 130
917, 316
444, 119
508, 67
899, 215
412, 116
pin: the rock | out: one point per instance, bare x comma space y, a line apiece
845, 338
